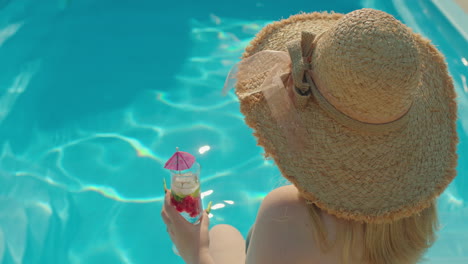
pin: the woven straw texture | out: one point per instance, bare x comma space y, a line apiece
352, 169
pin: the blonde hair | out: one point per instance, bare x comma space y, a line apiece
400, 242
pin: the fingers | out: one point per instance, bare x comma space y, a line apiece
165, 218
205, 221
171, 212
165, 212
168, 223
167, 198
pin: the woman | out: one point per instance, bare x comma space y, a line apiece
358, 113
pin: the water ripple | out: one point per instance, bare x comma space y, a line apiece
9, 31
19, 86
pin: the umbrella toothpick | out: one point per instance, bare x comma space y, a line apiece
165, 186
208, 208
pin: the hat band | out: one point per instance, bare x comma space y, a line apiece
347, 121
277, 66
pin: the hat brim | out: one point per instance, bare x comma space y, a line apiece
349, 173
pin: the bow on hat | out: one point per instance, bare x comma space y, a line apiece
286, 71
287, 86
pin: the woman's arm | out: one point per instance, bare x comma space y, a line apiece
205, 258
192, 241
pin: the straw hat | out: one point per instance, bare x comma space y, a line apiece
357, 111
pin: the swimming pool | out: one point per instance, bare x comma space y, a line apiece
95, 96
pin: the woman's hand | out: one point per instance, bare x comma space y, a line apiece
192, 241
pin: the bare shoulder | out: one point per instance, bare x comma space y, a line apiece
279, 198
282, 231
288, 196
288, 192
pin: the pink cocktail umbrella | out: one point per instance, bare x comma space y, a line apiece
180, 161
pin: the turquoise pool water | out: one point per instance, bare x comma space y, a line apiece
95, 96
